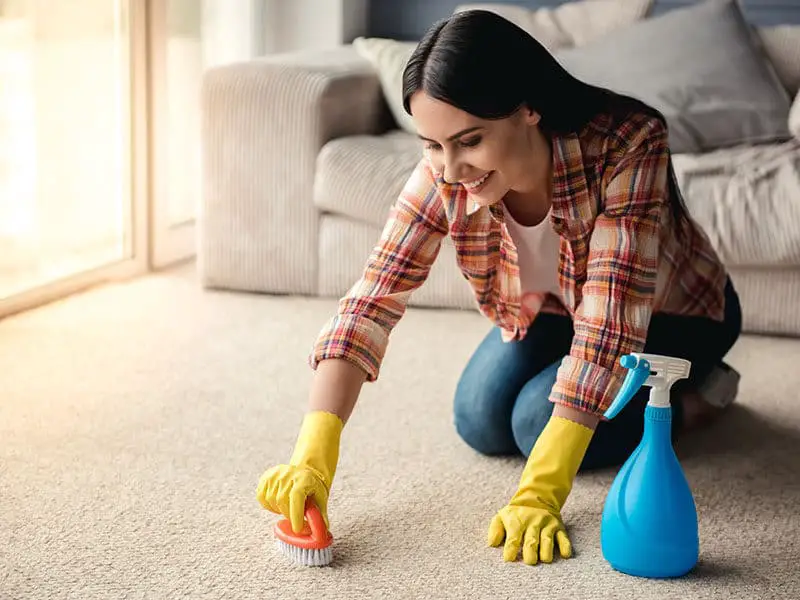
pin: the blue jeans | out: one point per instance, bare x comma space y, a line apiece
502, 398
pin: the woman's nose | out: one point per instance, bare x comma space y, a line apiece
452, 170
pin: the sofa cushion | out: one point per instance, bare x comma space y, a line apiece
746, 198
389, 58
781, 44
702, 67
572, 23
362, 176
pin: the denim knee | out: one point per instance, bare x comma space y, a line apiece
499, 374
482, 427
482, 420
533, 409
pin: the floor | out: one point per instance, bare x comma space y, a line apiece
135, 421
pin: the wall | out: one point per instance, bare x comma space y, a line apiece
408, 19
313, 24
229, 29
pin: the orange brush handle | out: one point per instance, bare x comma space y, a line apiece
314, 536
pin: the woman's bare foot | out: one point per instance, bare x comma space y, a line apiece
697, 413
704, 404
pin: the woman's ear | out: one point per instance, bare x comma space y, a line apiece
532, 117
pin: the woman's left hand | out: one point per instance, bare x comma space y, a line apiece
533, 528
532, 519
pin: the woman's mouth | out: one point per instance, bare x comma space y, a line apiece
476, 184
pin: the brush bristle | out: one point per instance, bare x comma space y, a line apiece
307, 558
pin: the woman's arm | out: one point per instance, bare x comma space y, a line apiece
577, 416
618, 295
350, 347
398, 265
612, 321
336, 386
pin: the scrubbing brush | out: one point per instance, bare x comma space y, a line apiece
312, 547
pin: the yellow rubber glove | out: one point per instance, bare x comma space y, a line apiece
283, 489
532, 519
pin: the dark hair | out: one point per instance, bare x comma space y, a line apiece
477, 61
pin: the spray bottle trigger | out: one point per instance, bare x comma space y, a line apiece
638, 372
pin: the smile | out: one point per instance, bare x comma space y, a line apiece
475, 184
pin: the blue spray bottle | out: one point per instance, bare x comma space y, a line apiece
649, 524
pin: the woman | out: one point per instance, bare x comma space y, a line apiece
568, 224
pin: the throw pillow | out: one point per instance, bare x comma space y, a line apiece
572, 23
782, 45
389, 58
568, 25
538, 23
794, 117
700, 67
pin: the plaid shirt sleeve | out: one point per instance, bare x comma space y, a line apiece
398, 264
617, 297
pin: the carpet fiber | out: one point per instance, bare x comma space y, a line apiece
135, 420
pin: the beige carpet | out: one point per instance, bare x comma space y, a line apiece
136, 419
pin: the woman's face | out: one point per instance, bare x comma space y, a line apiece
488, 157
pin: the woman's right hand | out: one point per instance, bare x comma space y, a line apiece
283, 489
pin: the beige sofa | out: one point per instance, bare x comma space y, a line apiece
302, 160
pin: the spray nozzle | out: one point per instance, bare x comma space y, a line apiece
659, 372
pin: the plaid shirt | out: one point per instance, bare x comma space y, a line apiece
620, 259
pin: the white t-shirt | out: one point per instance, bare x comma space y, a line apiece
537, 255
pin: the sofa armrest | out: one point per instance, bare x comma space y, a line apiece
264, 122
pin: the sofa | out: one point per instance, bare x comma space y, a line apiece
305, 152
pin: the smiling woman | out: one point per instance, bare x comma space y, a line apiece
561, 204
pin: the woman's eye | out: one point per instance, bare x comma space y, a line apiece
473, 141
432, 147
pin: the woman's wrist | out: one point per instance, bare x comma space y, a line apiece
577, 416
